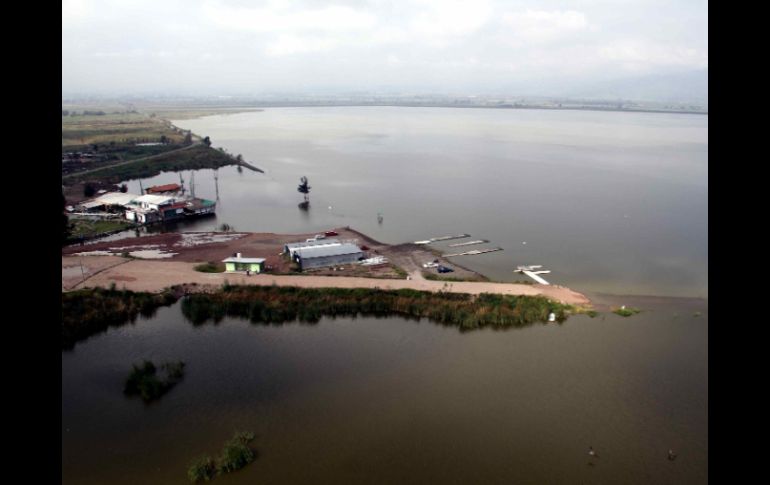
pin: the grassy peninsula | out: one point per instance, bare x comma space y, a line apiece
279, 304
100, 148
91, 311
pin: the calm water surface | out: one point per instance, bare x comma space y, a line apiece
393, 401
610, 202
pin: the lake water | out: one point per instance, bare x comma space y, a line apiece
366, 400
615, 204
608, 201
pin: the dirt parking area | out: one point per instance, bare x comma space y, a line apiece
203, 247
75, 270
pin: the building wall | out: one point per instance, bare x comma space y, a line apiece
320, 262
253, 267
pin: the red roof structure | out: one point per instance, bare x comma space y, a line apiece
159, 189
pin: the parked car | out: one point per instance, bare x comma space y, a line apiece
444, 269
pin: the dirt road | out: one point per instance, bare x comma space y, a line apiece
155, 275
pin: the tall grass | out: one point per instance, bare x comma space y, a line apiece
91, 311
235, 455
147, 382
274, 304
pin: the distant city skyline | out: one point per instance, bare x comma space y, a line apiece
529, 48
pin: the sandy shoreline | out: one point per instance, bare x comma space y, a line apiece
154, 275
174, 256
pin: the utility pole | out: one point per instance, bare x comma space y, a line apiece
82, 272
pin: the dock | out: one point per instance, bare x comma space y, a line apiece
532, 273
442, 238
535, 277
470, 243
472, 252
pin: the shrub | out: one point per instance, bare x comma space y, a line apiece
626, 311
203, 469
144, 380
210, 267
235, 455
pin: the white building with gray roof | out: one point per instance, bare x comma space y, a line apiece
291, 248
330, 255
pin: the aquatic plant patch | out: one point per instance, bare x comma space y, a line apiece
151, 382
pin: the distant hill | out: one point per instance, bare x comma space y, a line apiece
688, 87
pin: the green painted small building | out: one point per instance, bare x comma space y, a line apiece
237, 263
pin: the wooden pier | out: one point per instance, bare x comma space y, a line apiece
442, 238
472, 252
533, 271
470, 243
535, 277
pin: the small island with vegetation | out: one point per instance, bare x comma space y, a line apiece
152, 382
235, 455
625, 311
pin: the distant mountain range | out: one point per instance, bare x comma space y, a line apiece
687, 87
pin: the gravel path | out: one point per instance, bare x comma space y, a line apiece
144, 275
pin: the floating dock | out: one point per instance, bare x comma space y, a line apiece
530, 271
472, 252
471, 243
442, 238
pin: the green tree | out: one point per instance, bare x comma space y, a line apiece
304, 188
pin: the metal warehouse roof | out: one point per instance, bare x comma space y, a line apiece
154, 199
116, 198
318, 242
91, 204
323, 251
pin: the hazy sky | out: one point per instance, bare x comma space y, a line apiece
252, 47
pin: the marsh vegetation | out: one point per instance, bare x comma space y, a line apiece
151, 382
90, 311
235, 455
274, 304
